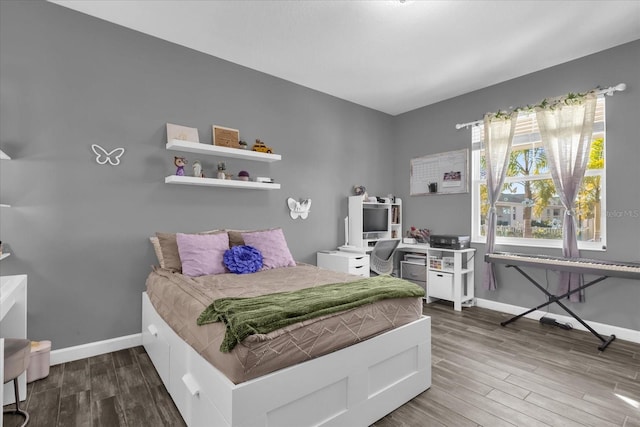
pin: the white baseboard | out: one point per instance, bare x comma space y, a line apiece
83, 351
601, 328
107, 346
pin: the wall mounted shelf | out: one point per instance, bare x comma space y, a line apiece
215, 150
3, 205
4, 255
214, 182
4, 156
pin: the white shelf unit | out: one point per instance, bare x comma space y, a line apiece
215, 182
215, 150
4, 156
358, 208
4, 255
453, 280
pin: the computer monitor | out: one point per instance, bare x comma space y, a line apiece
375, 220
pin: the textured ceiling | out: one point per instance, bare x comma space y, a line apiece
388, 55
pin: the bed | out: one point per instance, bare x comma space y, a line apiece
360, 369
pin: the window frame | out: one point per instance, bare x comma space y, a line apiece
599, 131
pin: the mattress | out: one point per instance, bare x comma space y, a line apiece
180, 299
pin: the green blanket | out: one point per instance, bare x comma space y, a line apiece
266, 313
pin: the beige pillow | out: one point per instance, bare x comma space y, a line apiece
169, 249
156, 247
235, 237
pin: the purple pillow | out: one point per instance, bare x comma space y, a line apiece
202, 254
273, 246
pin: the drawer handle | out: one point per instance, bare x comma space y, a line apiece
153, 330
359, 266
360, 257
440, 275
191, 384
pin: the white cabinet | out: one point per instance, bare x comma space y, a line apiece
215, 150
450, 276
345, 262
369, 222
4, 156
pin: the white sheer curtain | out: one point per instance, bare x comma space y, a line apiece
498, 136
566, 127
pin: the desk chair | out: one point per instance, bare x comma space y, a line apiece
16, 361
381, 258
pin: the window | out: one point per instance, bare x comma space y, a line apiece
528, 185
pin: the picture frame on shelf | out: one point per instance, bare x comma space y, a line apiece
225, 137
182, 133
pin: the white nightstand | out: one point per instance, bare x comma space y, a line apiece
345, 262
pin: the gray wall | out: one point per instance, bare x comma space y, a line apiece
80, 230
431, 130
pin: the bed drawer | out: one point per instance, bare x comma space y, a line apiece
155, 340
440, 285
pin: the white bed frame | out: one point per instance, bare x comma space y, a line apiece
354, 386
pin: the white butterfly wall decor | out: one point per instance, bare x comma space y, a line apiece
102, 157
299, 209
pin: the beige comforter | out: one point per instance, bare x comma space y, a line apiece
180, 300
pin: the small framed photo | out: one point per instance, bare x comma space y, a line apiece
226, 137
182, 133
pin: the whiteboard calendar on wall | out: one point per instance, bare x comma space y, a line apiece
444, 173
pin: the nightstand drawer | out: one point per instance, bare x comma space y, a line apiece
440, 285
360, 270
359, 261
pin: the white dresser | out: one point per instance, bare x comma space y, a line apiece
345, 262
13, 324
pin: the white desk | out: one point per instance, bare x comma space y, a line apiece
13, 324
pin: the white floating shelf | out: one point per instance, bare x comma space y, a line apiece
3, 156
214, 182
3, 205
216, 150
4, 255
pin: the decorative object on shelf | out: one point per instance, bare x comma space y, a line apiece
243, 176
433, 187
112, 157
179, 162
221, 170
197, 169
243, 144
420, 235
261, 147
360, 190
264, 179
182, 133
226, 137
299, 209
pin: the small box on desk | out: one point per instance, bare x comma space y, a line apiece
435, 262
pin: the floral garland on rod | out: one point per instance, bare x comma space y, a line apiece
548, 104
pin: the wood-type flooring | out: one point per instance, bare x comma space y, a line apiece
524, 374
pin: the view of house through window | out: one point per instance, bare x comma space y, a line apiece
529, 210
